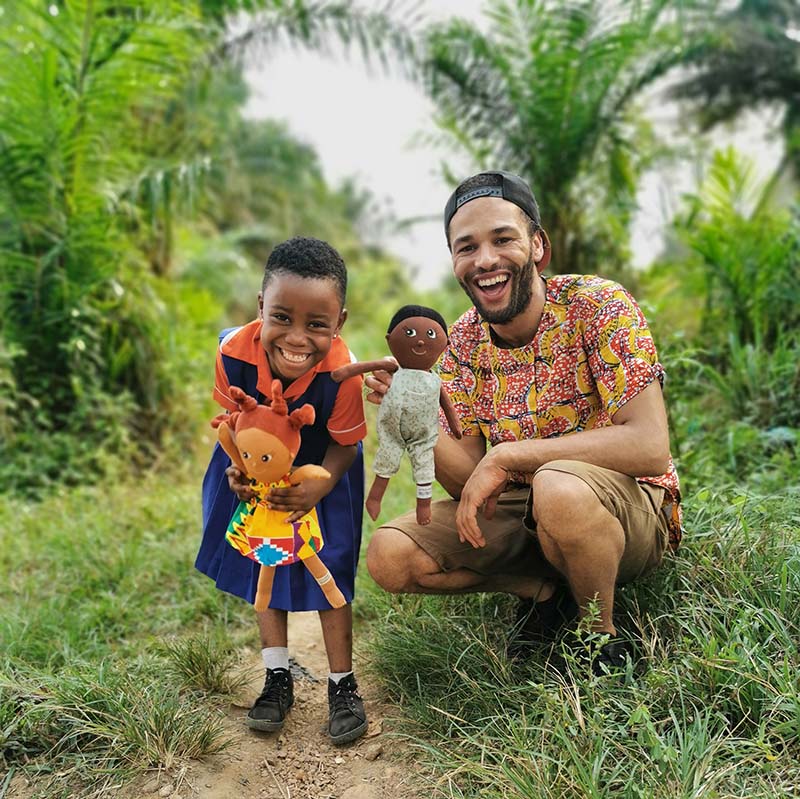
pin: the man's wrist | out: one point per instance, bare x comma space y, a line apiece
499, 456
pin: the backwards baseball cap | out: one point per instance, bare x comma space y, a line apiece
508, 187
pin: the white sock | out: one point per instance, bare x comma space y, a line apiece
275, 657
338, 676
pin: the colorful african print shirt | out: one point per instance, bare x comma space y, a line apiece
591, 354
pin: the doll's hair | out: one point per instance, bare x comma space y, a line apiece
273, 418
409, 311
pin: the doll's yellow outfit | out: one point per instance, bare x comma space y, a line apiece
263, 534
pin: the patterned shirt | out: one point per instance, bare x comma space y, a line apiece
591, 354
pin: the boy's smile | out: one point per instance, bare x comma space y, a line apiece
300, 316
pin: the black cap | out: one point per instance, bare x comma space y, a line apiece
510, 187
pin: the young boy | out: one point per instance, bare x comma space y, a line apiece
296, 339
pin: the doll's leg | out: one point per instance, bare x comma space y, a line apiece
373, 503
421, 456
387, 462
424, 493
266, 575
325, 581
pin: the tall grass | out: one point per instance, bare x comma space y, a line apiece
712, 709
112, 645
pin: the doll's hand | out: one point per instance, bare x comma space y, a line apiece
376, 385
239, 484
297, 500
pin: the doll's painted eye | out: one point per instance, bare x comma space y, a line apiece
431, 333
245, 455
410, 332
266, 458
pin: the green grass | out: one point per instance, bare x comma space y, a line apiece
116, 653
711, 710
111, 642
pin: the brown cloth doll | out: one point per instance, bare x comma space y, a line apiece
408, 417
262, 442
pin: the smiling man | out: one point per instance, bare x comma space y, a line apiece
576, 491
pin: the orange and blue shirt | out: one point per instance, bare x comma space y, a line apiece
346, 424
339, 418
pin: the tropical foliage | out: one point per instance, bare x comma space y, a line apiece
129, 180
549, 92
137, 203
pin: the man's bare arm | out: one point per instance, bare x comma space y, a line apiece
637, 443
456, 459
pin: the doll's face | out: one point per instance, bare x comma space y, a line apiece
265, 456
417, 342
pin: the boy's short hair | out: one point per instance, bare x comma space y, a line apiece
309, 258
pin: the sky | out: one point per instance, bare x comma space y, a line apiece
368, 126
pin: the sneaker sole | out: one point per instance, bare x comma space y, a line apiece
263, 725
351, 735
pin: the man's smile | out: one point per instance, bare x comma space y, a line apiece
492, 286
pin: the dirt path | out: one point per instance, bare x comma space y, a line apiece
299, 762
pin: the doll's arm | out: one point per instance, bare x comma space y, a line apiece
308, 472
226, 441
362, 367
449, 412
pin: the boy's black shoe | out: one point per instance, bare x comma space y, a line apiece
269, 711
612, 656
537, 623
347, 719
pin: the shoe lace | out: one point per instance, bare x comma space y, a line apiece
344, 698
275, 688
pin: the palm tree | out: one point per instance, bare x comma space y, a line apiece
113, 116
548, 92
746, 56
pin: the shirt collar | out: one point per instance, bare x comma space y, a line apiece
245, 345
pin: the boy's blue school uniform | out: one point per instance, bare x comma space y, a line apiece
340, 513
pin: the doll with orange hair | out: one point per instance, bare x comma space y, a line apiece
262, 441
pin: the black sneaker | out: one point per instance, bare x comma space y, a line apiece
538, 623
612, 656
269, 711
347, 719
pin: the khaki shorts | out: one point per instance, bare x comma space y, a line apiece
512, 546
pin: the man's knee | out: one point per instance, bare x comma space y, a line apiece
559, 495
393, 560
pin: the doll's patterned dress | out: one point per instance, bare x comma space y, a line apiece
262, 534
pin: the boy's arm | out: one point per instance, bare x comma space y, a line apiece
299, 499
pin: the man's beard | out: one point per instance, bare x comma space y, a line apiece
518, 301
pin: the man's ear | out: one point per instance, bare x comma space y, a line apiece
537, 247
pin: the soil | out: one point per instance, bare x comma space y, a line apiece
299, 762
